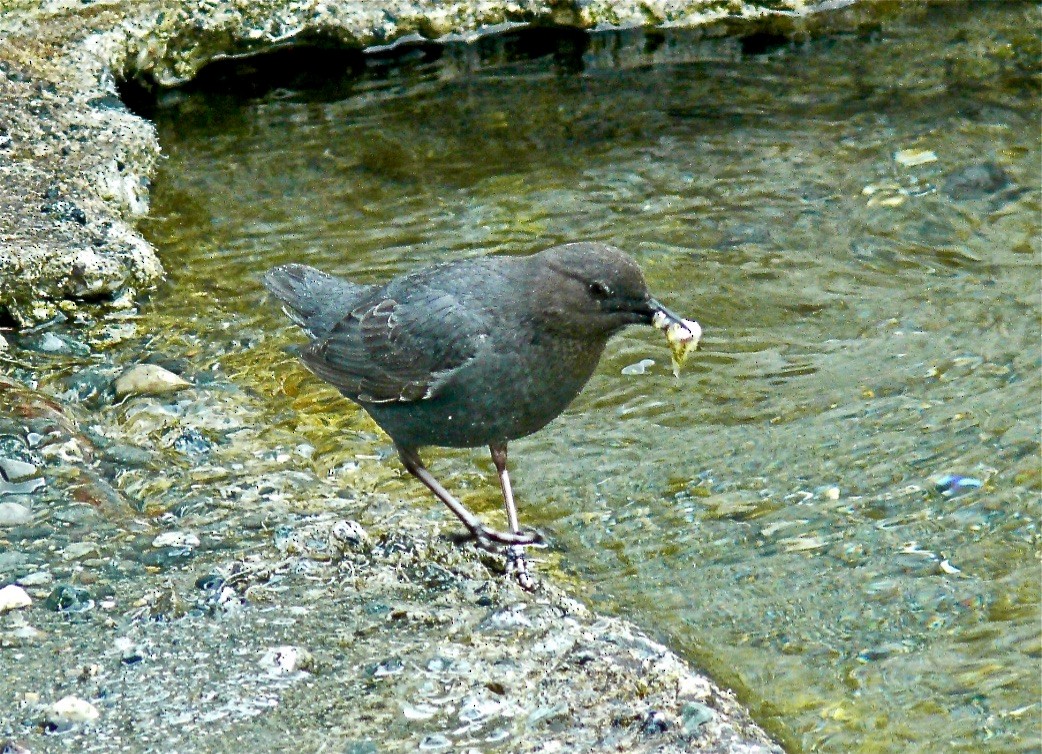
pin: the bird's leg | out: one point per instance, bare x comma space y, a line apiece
516, 561
499, 458
415, 466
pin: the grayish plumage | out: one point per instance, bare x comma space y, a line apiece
468, 353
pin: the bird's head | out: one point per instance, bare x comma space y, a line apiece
593, 289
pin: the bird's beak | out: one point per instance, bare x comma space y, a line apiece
661, 317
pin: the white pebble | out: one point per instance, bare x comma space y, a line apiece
72, 709
176, 539
13, 598
148, 379
284, 659
912, 157
641, 367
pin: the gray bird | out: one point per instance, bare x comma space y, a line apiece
469, 353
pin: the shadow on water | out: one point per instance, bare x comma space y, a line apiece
853, 217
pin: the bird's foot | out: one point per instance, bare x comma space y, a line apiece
491, 538
517, 565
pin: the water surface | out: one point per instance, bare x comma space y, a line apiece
854, 219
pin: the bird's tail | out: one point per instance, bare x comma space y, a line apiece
313, 299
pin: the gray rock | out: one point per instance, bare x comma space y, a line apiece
11, 560
76, 514
36, 578
90, 386
13, 470
14, 514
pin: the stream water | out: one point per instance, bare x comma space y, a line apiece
854, 220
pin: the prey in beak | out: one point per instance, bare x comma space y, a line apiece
681, 334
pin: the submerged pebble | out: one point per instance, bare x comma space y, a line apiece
21, 488
19, 477
176, 539
977, 182
66, 598
434, 742
148, 379
954, 485
70, 711
191, 442
286, 659
50, 343
641, 367
14, 514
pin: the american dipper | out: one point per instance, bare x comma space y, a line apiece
473, 352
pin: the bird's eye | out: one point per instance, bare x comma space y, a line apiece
599, 290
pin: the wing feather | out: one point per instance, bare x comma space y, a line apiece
387, 351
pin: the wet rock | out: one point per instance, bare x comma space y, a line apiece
76, 514
128, 455
14, 514
87, 486
390, 666
10, 746
148, 379
12, 560
13, 597
694, 715
191, 442
435, 742
166, 556
91, 387
13, 470
18, 633
66, 598
21, 488
79, 550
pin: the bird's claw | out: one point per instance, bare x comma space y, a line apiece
517, 564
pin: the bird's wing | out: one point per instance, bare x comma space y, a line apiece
388, 351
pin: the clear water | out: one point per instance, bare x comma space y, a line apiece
870, 324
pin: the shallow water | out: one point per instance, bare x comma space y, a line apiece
870, 325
